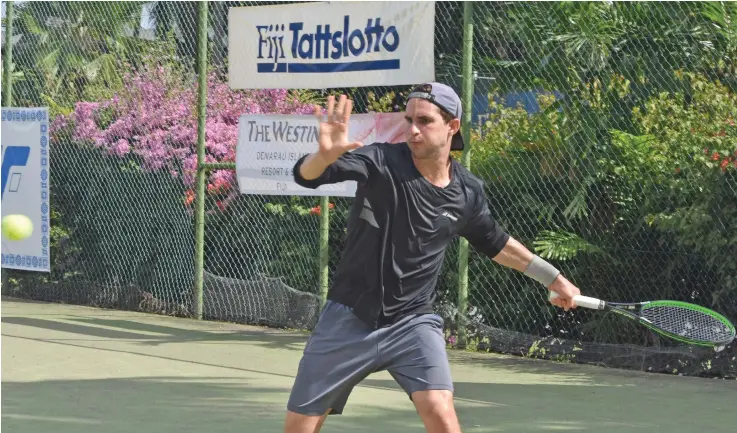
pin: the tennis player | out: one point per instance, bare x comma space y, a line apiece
412, 200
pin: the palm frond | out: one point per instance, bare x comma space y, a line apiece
563, 245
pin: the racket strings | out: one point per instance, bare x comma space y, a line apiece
688, 323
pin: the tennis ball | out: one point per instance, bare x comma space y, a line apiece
17, 227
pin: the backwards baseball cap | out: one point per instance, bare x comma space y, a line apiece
447, 99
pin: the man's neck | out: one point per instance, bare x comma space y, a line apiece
435, 170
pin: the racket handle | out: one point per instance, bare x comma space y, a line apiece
583, 301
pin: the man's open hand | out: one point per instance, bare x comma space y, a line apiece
333, 132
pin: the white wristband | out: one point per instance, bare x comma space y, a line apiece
541, 271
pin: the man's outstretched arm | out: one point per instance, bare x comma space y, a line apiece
516, 256
485, 234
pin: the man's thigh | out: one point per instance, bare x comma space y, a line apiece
340, 352
413, 352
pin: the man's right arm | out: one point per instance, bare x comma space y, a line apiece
483, 232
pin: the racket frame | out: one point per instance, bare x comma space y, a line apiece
633, 310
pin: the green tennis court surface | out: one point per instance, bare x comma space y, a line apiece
79, 369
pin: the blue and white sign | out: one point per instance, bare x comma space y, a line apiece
329, 45
25, 185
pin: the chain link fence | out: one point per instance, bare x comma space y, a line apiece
121, 236
604, 132
609, 147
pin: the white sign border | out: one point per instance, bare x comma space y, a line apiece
40, 263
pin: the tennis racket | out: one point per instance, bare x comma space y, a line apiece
681, 321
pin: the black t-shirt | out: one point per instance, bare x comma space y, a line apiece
398, 229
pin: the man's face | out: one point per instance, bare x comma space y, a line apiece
428, 134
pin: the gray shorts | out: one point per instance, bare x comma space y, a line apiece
343, 350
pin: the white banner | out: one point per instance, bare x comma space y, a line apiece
25, 185
270, 145
331, 44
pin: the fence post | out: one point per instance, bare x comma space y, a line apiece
201, 169
467, 101
8, 60
324, 247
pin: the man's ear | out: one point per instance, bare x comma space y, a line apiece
455, 125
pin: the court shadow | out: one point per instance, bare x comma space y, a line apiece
173, 405
590, 405
141, 332
249, 395
155, 404
238, 404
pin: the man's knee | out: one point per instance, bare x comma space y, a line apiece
434, 403
436, 410
299, 423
